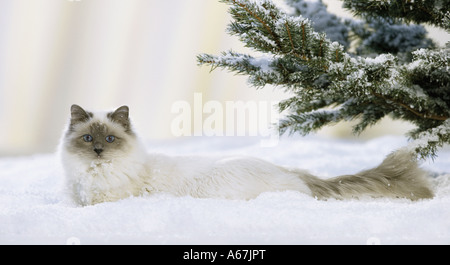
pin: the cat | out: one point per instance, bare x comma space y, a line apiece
104, 161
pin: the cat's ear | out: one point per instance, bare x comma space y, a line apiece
78, 114
120, 116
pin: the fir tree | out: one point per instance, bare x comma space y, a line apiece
336, 28
373, 35
329, 84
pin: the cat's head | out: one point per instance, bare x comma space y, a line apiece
96, 136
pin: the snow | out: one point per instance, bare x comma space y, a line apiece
35, 210
263, 62
380, 59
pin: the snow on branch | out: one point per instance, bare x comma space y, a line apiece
329, 84
419, 11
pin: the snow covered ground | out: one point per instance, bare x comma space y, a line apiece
34, 210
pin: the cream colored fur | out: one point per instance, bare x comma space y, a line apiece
131, 171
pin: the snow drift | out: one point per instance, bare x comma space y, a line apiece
35, 210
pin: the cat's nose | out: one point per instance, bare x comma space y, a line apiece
98, 150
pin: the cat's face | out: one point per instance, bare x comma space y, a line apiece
99, 136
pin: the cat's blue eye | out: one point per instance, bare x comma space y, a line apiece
110, 138
87, 138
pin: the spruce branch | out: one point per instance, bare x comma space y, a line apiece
415, 112
292, 42
328, 84
421, 11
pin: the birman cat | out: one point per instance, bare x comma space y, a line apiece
105, 161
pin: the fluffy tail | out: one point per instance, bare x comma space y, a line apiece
398, 176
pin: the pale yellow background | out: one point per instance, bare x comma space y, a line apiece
101, 54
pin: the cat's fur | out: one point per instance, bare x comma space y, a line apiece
101, 171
